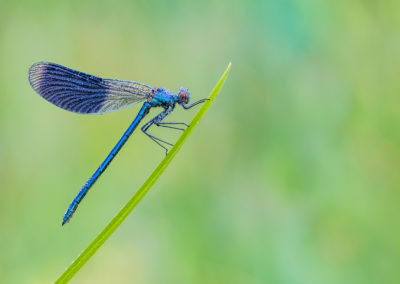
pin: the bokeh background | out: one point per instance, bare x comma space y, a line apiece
291, 177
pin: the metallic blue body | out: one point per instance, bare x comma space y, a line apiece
87, 94
71, 209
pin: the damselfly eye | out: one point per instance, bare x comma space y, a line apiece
183, 97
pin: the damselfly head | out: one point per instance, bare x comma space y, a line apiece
183, 95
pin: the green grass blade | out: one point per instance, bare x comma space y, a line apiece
127, 209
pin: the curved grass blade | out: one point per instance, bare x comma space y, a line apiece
80, 261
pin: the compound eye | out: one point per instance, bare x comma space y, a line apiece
183, 97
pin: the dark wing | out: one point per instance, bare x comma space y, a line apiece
83, 93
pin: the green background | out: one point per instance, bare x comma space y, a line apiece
291, 177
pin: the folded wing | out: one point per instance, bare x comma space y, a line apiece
83, 93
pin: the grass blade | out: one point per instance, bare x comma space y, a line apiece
80, 261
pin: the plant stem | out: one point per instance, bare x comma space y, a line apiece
80, 261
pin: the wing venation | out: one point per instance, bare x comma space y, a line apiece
84, 93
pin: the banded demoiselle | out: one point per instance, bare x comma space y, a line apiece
87, 94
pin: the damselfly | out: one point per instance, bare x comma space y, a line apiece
87, 94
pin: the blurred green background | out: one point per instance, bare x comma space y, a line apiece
291, 177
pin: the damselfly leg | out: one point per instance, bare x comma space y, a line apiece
157, 120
